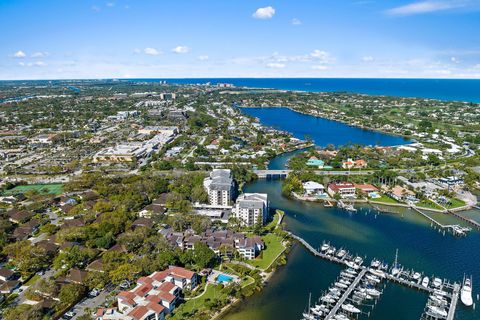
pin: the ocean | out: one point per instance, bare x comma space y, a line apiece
442, 89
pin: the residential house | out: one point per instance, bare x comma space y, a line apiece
313, 188
314, 162
344, 189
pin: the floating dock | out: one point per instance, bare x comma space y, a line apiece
452, 293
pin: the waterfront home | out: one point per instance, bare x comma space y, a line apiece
153, 297
314, 162
401, 194
346, 190
354, 164
313, 188
370, 190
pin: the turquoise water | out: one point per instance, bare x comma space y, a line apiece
224, 278
321, 131
366, 233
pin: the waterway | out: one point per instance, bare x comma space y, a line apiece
366, 233
321, 131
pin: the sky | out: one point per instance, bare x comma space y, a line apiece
81, 39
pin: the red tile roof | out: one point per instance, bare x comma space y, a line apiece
143, 290
138, 312
166, 286
165, 296
155, 307
182, 272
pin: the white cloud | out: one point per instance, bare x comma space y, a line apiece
454, 60
295, 22
181, 49
151, 51
264, 13
319, 67
203, 58
96, 8
19, 54
40, 54
110, 4
368, 59
320, 55
429, 6
276, 65
33, 64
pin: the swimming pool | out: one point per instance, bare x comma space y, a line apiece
224, 278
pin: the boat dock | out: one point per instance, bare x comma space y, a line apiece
453, 303
454, 229
401, 277
469, 221
346, 294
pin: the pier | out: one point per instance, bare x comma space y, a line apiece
469, 221
401, 278
455, 229
346, 294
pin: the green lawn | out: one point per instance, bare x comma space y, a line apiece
455, 203
53, 188
428, 204
384, 198
212, 293
273, 247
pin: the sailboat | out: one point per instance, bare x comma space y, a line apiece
396, 268
466, 293
308, 315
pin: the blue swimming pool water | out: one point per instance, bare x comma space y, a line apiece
224, 278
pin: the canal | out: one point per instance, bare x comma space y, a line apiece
367, 233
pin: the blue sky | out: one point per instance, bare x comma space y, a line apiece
55, 39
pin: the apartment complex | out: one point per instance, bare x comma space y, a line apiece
153, 297
219, 186
251, 208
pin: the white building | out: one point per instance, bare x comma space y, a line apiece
313, 188
251, 208
219, 187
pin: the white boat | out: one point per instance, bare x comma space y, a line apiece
378, 273
440, 292
351, 264
350, 308
438, 300
438, 311
466, 293
375, 263
362, 295
341, 285
437, 282
325, 247
331, 251
373, 292
345, 206
416, 276
317, 312
425, 282
351, 271
345, 281
341, 253
373, 278
327, 299
309, 316
358, 260
341, 317
346, 274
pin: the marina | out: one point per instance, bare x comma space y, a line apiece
336, 305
